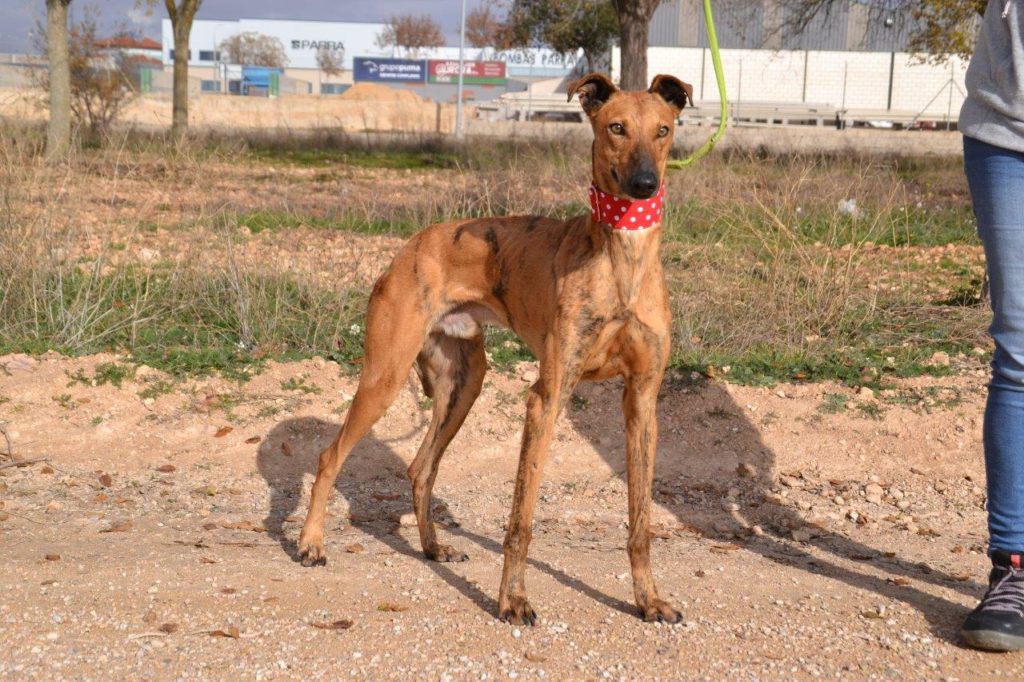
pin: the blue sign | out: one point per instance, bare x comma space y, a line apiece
389, 70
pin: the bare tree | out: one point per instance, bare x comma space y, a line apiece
411, 32
100, 84
254, 49
181, 13
330, 61
484, 29
58, 128
634, 24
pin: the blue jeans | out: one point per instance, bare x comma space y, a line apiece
996, 178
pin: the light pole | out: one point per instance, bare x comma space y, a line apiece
458, 94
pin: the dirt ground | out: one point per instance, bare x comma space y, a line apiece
153, 536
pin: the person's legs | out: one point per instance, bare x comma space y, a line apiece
996, 179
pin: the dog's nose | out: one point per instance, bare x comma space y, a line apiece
644, 185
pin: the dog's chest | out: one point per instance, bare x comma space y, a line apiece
634, 266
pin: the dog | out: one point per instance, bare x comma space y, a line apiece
586, 295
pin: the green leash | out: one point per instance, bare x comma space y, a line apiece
716, 59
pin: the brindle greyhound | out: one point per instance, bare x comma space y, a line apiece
589, 301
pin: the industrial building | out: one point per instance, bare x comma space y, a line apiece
845, 26
356, 42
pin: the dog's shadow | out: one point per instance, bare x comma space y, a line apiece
730, 453
377, 490
374, 483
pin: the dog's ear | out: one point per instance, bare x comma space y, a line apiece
594, 89
674, 91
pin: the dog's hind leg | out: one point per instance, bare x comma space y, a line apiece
453, 371
396, 325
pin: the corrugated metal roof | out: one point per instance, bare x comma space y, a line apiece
739, 25
856, 25
827, 29
664, 29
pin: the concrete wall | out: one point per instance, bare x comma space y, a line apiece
805, 140
817, 77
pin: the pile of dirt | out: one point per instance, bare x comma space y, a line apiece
372, 92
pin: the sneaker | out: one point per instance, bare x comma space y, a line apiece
997, 624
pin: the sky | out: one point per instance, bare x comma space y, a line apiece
18, 18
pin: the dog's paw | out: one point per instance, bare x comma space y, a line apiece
660, 611
445, 554
312, 553
518, 612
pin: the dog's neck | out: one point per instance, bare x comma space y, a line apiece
627, 233
626, 214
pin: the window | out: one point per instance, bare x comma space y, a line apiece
333, 88
189, 55
209, 86
209, 55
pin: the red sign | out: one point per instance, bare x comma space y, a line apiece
447, 71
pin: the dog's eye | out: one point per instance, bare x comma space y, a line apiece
617, 129
663, 131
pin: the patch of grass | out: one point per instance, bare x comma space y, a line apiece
506, 350
268, 411
274, 220
834, 403
299, 384
156, 389
863, 366
112, 373
226, 403
579, 403
65, 401
184, 321
703, 220
871, 410
965, 293
927, 398
403, 159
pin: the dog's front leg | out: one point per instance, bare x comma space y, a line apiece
640, 401
542, 407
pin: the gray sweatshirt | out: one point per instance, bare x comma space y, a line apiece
994, 109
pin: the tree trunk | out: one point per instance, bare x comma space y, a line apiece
58, 129
634, 20
179, 108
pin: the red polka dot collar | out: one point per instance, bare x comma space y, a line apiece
626, 214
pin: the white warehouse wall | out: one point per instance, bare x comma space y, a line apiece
814, 77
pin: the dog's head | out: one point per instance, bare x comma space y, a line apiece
632, 131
